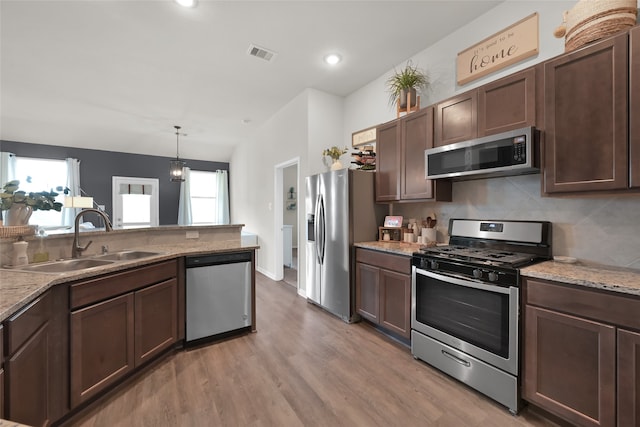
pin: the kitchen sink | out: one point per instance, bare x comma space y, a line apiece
126, 255
65, 265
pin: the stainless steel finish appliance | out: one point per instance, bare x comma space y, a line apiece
218, 295
340, 211
509, 153
466, 302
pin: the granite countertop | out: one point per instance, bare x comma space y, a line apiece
7, 423
617, 279
17, 288
397, 248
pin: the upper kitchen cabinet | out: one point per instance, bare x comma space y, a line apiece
634, 107
508, 103
388, 162
586, 123
511, 102
456, 119
400, 174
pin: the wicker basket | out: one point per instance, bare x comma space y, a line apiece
17, 231
591, 20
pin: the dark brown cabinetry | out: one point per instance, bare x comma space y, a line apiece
388, 162
456, 119
136, 309
634, 106
383, 290
628, 378
578, 345
1, 374
400, 174
36, 374
508, 103
511, 102
586, 123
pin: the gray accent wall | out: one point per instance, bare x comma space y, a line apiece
98, 166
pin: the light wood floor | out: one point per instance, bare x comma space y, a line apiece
304, 367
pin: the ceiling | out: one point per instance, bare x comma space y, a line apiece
118, 75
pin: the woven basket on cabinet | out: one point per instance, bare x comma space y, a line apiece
591, 20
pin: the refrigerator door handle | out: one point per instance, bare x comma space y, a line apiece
322, 231
316, 230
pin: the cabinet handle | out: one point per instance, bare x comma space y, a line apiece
456, 359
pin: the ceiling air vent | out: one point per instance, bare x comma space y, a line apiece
260, 52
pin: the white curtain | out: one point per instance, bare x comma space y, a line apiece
73, 184
184, 204
223, 197
7, 168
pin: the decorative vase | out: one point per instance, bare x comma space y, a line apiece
336, 165
403, 97
18, 214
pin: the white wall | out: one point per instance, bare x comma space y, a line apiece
303, 128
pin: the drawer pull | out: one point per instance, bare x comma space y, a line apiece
456, 359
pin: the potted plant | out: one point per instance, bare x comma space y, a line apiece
410, 79
20, 204
335, 153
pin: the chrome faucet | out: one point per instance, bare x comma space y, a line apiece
77, 250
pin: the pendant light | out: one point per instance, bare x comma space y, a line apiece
175, 166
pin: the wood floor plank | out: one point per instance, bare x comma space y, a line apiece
304, 367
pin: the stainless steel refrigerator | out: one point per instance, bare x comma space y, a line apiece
341, 210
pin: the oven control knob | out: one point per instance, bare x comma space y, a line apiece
434, 265
477, 273
493, 276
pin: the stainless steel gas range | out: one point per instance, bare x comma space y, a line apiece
465, 308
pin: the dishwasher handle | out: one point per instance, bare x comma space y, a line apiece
217, 259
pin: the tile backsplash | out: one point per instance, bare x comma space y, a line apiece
594, 229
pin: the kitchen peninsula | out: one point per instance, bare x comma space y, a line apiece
54, 324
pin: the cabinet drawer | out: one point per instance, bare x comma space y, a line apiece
387, 261
27, 321
101, 288
606, 307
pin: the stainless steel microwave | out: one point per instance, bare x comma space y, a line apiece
509, 153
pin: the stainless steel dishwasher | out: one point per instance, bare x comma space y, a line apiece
218, 294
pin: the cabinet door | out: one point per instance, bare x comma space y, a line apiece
634, 107
417, 136
368, 292
156, 311
569, 367
456, 119
508, 103
628, 378
586, 119
388, 162
395, 302
101, 346
28, 371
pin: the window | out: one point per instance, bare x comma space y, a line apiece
204, 197
37, 175
135, 202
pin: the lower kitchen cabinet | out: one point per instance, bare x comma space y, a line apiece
36, 377
628, 378
383, 290
578, 344
1, 374
137, 310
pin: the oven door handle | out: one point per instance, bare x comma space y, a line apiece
464, 282
456, 358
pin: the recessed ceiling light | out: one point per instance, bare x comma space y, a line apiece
186, 3
332, 59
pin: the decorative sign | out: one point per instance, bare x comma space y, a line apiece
392, 221
507, 47
363, 137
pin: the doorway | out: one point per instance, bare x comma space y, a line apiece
286, 216
290, 224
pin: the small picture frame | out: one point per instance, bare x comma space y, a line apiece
290, 206
393, 221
